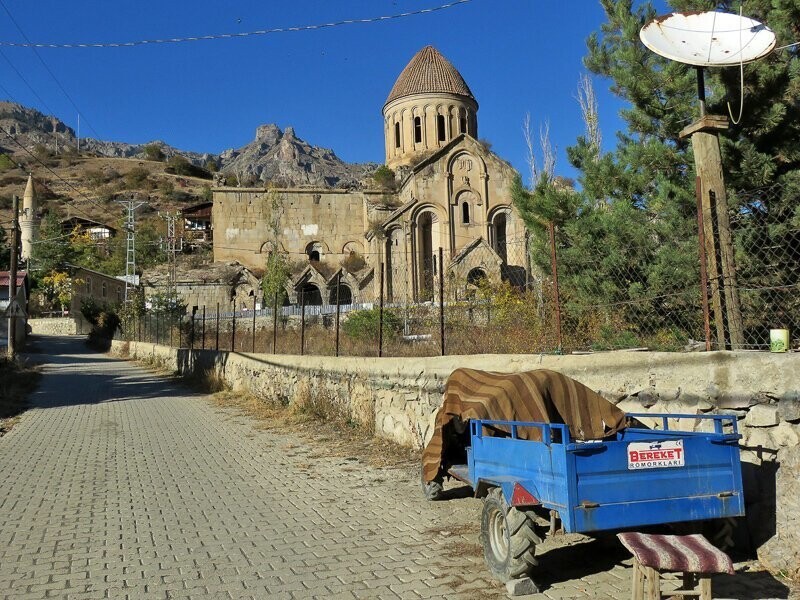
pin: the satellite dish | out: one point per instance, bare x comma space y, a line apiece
708, 39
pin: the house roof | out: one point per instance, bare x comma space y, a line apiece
5, 278
429, 73
85, 223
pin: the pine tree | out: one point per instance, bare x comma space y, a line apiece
628, 239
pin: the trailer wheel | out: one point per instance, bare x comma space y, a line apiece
509, 538
432, 490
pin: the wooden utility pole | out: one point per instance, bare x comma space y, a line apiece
716, 224
12, 279
717, 231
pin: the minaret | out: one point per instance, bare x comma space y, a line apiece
29, 221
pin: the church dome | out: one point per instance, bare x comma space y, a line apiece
429, 73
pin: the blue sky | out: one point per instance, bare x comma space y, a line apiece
517, 56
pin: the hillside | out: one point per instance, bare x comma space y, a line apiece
88, 183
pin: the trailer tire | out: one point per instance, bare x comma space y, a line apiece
433, 490
509, 538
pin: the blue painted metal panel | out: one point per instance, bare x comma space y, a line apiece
591, 486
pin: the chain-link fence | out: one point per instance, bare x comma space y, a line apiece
610, 293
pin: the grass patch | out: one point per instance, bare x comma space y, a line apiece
322, 422
17, 380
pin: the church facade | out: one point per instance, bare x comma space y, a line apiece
450, 193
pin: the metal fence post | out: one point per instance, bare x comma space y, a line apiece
204, 327
180, 331
158, 336
216, 343
233, 329
338, 309
380, 316
191, 334
275, 324
254, 323
556, 295
441, 297
302, 321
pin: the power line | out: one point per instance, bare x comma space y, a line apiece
222, 36
44, 64
64, 181
25, 81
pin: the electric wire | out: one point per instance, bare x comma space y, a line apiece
735, 121
220, 36
25, 81
47, 167
47, 68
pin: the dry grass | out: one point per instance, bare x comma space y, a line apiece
17, 381
332, 432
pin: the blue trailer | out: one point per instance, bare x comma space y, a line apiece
640, 477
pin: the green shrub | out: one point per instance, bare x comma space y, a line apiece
178, 165
136, 177
364, 324
384, 177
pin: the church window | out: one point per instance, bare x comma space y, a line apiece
103, 287
440, 131
313, 256
417, 130
465, 213
462, 124
397, 135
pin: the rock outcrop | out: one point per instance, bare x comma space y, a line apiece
282, 158
275, 156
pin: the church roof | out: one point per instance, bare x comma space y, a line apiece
428, 73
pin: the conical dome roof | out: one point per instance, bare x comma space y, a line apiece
429, 73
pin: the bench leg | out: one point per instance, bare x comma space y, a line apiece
653, 584
705, 587
638, 581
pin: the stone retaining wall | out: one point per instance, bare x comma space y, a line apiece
53, 326
400, 396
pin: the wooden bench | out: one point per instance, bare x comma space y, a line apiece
691, 555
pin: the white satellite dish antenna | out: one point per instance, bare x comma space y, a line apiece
708, 39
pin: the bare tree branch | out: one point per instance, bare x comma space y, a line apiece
588, 102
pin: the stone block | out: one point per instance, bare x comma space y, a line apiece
789, 409
521, 587
762, 415
785, 434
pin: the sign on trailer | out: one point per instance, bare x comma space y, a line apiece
655, 455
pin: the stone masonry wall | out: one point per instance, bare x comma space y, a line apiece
53, 326
400, 396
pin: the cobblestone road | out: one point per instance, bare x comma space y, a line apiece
120, 484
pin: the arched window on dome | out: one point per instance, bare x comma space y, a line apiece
397, 135
465, 213
417, 130
462, 124
440, 130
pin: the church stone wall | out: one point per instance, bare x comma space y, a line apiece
334, 220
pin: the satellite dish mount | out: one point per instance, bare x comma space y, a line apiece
712, 39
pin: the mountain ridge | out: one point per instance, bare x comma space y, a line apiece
275, 156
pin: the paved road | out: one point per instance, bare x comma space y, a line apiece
120, 484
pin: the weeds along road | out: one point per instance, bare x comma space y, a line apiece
119, 483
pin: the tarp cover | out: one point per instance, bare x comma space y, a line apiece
542, 396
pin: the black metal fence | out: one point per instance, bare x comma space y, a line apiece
523, 297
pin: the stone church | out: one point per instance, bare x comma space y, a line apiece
450, 192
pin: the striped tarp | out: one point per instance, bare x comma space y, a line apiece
676, 553
542, 396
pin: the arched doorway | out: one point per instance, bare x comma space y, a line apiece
499, 235
427, 230
344, 294
310, 294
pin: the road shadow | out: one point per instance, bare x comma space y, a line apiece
83, 385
